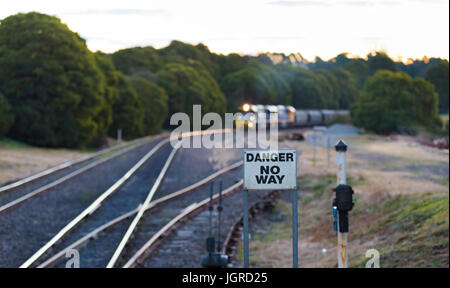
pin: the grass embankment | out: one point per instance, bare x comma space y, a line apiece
401, 209
19, 160
11, 144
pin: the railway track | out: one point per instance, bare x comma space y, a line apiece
181, 242
107, 209
182, 217
109, 235
101, 211
33, 222
234, 235
14, 194
111, 231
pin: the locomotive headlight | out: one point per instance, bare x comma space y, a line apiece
246, 107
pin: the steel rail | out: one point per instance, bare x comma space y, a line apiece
142, 209
67, 164
187, 211
127, 215
63, 179
154, 188
56, 168
94, 205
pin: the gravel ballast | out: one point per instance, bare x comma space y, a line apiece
27, 227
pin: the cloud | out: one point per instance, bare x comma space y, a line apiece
118, 12
299, 3
357, 3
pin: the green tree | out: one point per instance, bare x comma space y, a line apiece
348, 90
128, 114
438, 75
111, 94
51, 80
230, 63
183, 53
394, 102
380, 61
359, 71
187, 85
154, 102
255, 83
6, 116
137, 61
331, 89
306, 90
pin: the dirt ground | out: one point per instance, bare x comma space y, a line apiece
401, 207
19, 161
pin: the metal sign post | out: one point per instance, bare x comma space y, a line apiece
314, 149
246, 240
294, 229
341, 150
271, 170
219, 218
328, 151
119, 135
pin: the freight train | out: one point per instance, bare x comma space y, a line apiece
287, 116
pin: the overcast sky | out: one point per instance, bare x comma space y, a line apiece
407, 28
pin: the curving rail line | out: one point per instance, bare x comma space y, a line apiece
63, 179
93, 206
142, 209
184, 214
96, 204
56, 168
70, 163
129, 214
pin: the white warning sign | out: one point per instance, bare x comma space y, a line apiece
270, 170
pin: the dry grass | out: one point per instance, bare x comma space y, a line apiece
19, 162
412, 151
401, 212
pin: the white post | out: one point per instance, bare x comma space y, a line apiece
246, 238
119, 135
294, 229
314, 151
328, 151
341, 150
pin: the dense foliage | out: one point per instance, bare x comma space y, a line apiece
58, 93
393, 101
128, 113
255, 83
438, 75
380, 61
137, 60
6, 116
154, 102
186, 86
51, 80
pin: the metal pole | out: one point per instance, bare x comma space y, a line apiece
246, 238
294, 229
341, 150
119, 135
210, 208
219, 210
314, 144
328, 151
